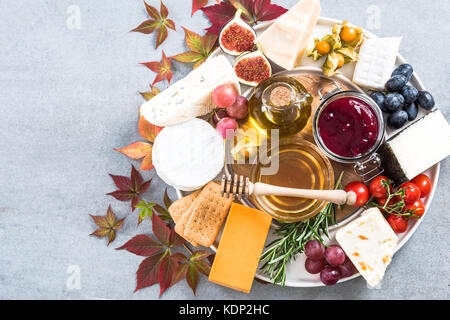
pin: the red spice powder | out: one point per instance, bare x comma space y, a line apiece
237, 38
252, 69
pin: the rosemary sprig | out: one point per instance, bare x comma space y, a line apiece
293, 238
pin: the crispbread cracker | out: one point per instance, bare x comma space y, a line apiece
182, 221
180, 206
207, 215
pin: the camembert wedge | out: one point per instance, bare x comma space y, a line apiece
285, 41
370, 243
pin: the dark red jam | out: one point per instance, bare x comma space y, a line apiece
348, 127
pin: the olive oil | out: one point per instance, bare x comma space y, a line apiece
280, 103
301, 165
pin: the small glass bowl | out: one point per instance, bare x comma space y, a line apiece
301, 165
327, 99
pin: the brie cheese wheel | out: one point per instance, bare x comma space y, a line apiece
190, 97
376, 61
369, 243
286, 40
430, 135
188, 155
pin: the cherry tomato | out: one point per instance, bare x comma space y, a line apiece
377, 189
412, 192
341, 60
323, 47
382, 201
424, 184
348, 34
398, 223
362, 192
417, 208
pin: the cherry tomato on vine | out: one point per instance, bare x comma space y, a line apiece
424, 184
417, 208
361, 191
398, 223
412, 192
377, 189
382, 201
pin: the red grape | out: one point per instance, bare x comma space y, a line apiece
335, 255
329, 276
224, 95
346, 269
227, 127
239, 109
314, 266
218, 115
314, 250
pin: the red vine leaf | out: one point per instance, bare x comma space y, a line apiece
108, 225
166, 271
158, 22
129, 189
142, 245
192, 277
147, 130
254, 11
136, 150
147, 273
200, 47
163, 69
197, 4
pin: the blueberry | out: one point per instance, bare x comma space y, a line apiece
411, 110
409, 93
397, 119
425, 100
405, 70
394, 102
396, 83
379, 98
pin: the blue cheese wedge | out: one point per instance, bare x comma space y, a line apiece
430, 135
190, 97
376, 61
370, 243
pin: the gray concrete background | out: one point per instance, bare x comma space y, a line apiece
68, 96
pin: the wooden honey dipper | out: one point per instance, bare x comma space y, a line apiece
239, 187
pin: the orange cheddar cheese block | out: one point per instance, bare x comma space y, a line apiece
240, 247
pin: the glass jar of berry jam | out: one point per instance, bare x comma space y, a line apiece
348, 127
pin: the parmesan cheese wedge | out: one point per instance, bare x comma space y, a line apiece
190, 97
286, 40
369, 243
188, 155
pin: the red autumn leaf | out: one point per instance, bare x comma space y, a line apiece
158, 22
166, 271
163, 68
180, 273
136, 150
218, 15
167, 201
254, 11
147, 273
197, 4
108, 225
264, 10
164, 233
147, 130
142, 245
192, 277
129, 189
200, 48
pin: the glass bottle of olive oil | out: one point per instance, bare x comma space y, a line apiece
282, 103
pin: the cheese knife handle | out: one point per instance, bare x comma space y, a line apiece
339, 197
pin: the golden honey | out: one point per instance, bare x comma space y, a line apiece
301, 165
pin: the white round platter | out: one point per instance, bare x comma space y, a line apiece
296, 275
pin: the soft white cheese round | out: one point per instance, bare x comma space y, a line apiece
188, 155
